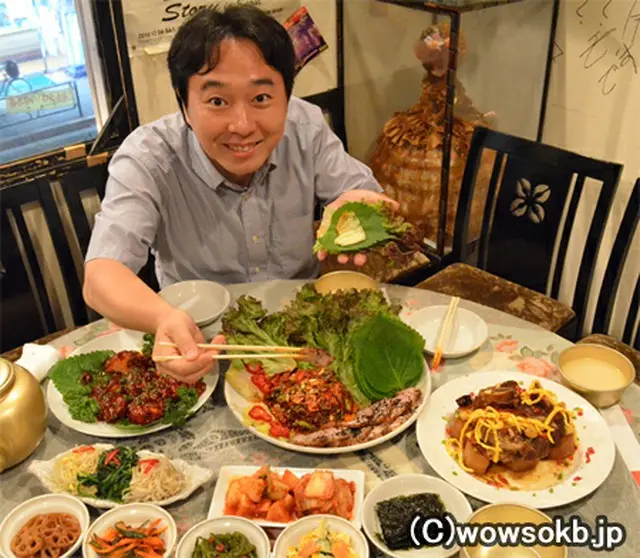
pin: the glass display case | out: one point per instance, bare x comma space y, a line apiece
484, 62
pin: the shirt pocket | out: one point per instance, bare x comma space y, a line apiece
293, 241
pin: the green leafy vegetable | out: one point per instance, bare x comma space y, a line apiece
149, 340
66, 376
113, 475
388, 356
248, 324
311, 320
356, 226
224, 545
177, 412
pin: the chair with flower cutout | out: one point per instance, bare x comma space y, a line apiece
532, 200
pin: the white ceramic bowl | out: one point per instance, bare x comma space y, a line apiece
468, 334
293, 534
204, 301
225, 524
134, 515
49, 503
403, 485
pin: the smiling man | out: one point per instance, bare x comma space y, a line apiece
223, 190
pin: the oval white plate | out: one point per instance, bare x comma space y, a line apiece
123, 340
403, 485
195, 476
468, 334
133, 515
293, 534
204, 301
257, 537
237, 403
591, 427
49, 503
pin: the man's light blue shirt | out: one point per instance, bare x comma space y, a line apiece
165, 194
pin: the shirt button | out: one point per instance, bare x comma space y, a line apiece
255, 238
246, 197
258, 269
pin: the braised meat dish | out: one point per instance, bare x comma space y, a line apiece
130, 389
510, 427
308, 399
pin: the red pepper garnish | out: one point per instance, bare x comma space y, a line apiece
84, 449
111, 456
260, 414
279, 431
261, 382
577, 479
148, 465
254, 367
590, 451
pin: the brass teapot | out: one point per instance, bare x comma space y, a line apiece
23, 414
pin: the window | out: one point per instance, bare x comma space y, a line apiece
51, 91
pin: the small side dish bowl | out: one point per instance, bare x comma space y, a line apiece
49, 503
204, 301
453, 500
512, 514
600, 374
221, 525
293, 534
344, 280
133, 515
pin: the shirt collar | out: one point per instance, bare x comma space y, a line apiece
206, 170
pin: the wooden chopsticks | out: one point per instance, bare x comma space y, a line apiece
445, 331
224, 347
166, 358
275, 351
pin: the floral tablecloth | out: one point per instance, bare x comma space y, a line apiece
214, 438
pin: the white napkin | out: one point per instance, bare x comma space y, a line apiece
38, 359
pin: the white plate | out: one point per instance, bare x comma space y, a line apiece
293, 534
592, 431
237, 403
133, 515
227, 473
123, 340
195, 476
49, 503
454, 502
204, 301
257, 537
468, 334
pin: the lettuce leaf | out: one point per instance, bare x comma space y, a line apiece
66, 376
387, 356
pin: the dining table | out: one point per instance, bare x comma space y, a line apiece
214, 437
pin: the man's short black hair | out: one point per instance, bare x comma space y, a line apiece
196, 45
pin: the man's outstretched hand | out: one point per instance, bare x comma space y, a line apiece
353, 196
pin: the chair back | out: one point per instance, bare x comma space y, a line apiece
24, 273
614, 271
532, 199
74, 185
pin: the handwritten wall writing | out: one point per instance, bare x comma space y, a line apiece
613, 45
558, 51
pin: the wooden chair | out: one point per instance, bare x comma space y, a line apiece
27, 305
531, 187
74, 184
629, 344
